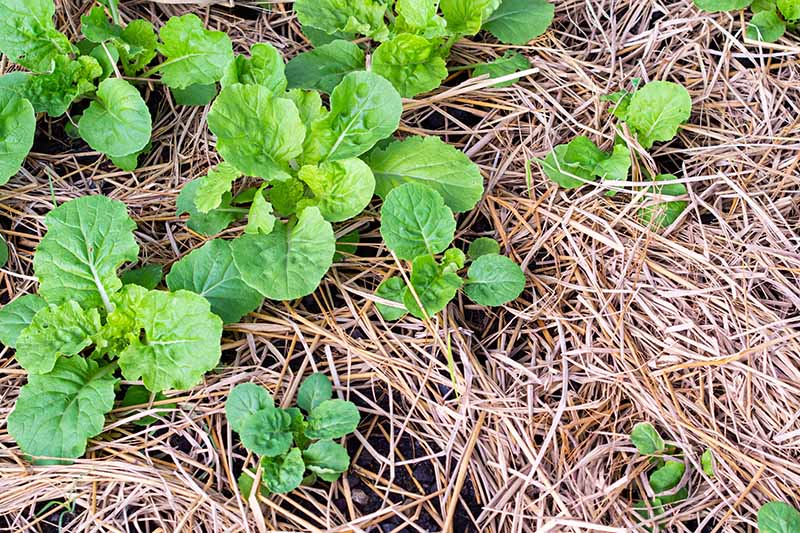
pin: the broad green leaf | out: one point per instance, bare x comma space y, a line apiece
778, 517
210, 272
267, 432
209, 223
483, 246
646, 439
428, 161
283, 474
28, 35
415, 221
57, 412
314, 390
97, 28
260, 219
657, 110
289, 262
391, 289
419, 17
298, 427
326, 457
17, 315
667, 477
679, 496
722, 5
664, 213
572, 165
344, 16
332, 419
56, 331
86, 242
309, 104
510, 63
195, 95
494, 280
17, 129
194, 55
256, 132
147, 276
341, 189
707, 462
615, 166
118, 122
245, 400
434, 285
763, 5
365, 108
264, 67
130, 162
411, 63
178, 344
324, 67
54, 92
107, 56
766, 26
465, 17
138, 395
520, 21
214, 185
140, 44
790, 9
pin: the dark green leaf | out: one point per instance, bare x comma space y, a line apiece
245, 400
315, 389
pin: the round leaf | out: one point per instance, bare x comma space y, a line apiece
17, 315
494, 280
519, 21
435, 285
646, 439
657, 110
283, 474
667, 477
17, 129
332, 419
267, 432
393, 290
315, 389
483, 246
194, 55
342, 189
326, 457
411, 63
245, 400
778, 517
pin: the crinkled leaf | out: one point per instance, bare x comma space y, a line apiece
283, 474
314, 390
519, 21
646, 439
289, 262
419, 17
790, 9
260, 218
766, 26
54, 92
195, 95
147, 276
17, 315
211, 272
194, 55
309, 105
415, 221
209, 223
434, 285
722, 5
432, 162
138, 395
411, 63
17, 129
87, 240
214, 186
324, 67
245, 400
267, 432
510, 63
97, 28
494, 280
120, 324
667, 477
141, 42
465, 17
28, 35
332, 419
343, 16
285, 195
326, 457
778, 517
657, 110
341, 189
664, 213
483, 246
117, 123
392, 289
264, 67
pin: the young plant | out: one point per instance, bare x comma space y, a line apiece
778, 517
415, 37
771, 18
85, 328
296, 445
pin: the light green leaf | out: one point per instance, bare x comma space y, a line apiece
245, 400
17, 129
194, 55
195, 95
118, 122
657, 110
419, 17
87, 240
454, 259
283, 474
140, 44
415, 221
56, 413
411, 63
260, 219
147, 276
483, 246
209, 223
120, 324
289, 262
210, 272
214, 185
138, 395
332, 419
722, 5
309, 104
572, 165
667, 477
256, 132
341, 189
664, 213
494, 280
766, 26
180, 341
391, 289
520, 21
267, 432
245, 483
315, 389
790, 9
615, 166
428, 161
264, 67
324, 67
28, 35
54, 92
465, 17
646, 439
763, 5
510, 63
107, 56
97, 28
326, 457
17, 315
285, 195
343, 16
707, 462
434, 285
778, 517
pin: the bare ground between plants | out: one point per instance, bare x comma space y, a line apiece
695, 329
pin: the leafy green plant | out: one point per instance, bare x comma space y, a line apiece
771, 18
85, 327
296, 445
414, 36
117, 121
778, 517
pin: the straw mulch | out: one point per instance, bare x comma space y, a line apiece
695, 329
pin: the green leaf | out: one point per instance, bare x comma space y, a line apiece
245, 483
261, 218
298, 427
195, 95
130, 162
120, 326
483, 246
3, 252
766, 26
57, 413
415, 221
663, 213
214, 186
657, 110
646, 439
432, 162
419, 17
722, 5
346, 245
434, 285
520, 21
309, 104
180, 341
138, 395
266, 432
572, 165
790, 9
209, 223
211, 272
615, 166
332, 419
465, 17
365, 109
494, 280
341, 189
679, 496
315, 389
283, 474
54, 92
87, 240
148, 276
56, 331
510, 63
285, 195
326, 457
140, 44
454, 258
194, 55
118, 122
107, 56
411, 63
17, 315
245, 400
28, 35
343, 16
256, 132
391, 289
707, 462
289, 262
667, 477
778, 517
763, 5
324, 67
17, 129
97, 28
264, 67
